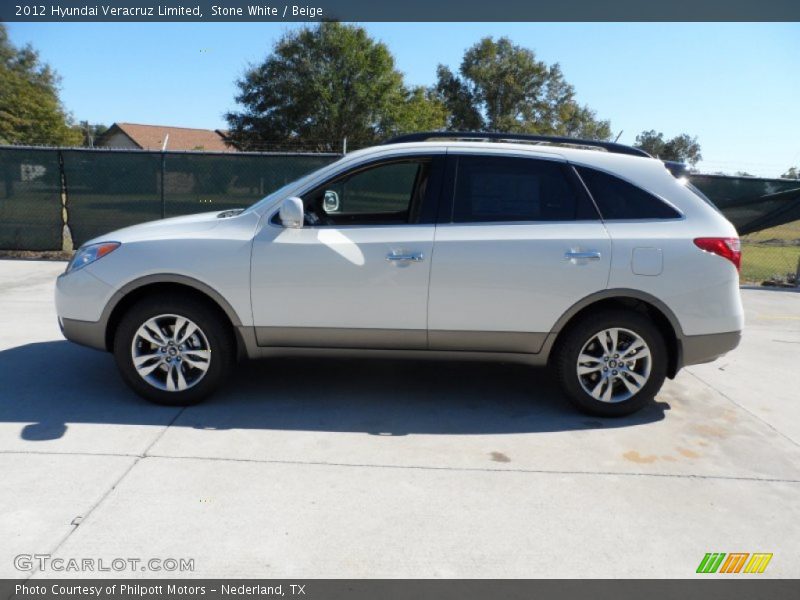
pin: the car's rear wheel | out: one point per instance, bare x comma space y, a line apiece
611, 363
173, 350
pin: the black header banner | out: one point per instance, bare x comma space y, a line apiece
393, 10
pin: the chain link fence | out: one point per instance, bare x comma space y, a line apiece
766, 212
54, 199
51, 199
772, 255
30, 200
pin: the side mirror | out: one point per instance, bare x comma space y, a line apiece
291, 213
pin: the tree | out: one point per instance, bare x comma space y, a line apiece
501, 86
323, 84
89, 132
792, 173
419, 110
30, 110
681, 148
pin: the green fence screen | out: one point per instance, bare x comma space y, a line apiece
110, 190
30, 200
197, 183
104, 190
752, 203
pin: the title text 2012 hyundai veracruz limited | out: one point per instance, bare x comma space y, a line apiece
590, 257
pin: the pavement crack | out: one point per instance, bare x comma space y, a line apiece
58, 453
98, 502
162, 432
476, 469
136, 459
268, 461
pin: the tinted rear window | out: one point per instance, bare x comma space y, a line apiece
515, 189
618, 199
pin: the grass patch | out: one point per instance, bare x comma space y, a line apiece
788, 232
760, 263
35, 255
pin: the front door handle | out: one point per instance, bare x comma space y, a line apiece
588, 255
411, 257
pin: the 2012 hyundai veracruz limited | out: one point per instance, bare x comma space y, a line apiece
591, 257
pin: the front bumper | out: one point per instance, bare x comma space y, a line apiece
85, 333
80, 301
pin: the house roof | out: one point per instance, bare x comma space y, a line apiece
151, 137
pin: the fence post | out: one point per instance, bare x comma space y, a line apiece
163, 174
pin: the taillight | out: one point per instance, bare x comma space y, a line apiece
729, 248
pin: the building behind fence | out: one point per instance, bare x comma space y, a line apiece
54, 199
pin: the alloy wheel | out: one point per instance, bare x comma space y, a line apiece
170, 352
614, 365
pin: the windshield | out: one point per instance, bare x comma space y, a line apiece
296, 184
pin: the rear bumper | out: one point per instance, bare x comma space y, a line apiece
85, 333
696, 349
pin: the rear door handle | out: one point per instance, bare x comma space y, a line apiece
412, 257
588, 255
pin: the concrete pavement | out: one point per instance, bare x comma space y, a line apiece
339, 468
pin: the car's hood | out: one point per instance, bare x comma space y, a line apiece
174, 227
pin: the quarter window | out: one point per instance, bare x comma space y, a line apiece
618, 199
491, 189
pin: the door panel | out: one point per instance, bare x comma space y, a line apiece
340, 278
529, 245
358, 276
512, 278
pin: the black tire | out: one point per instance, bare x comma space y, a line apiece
569, 347
218, 336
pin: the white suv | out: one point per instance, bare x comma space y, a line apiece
589, 256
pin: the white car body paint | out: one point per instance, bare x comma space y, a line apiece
480, 277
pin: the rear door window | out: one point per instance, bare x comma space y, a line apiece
496, 188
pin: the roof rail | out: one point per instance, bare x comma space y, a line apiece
515, 137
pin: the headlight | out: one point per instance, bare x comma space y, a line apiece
86, 255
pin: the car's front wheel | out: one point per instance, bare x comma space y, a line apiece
611, 363
173, 350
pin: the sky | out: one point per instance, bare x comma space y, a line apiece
736, 86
